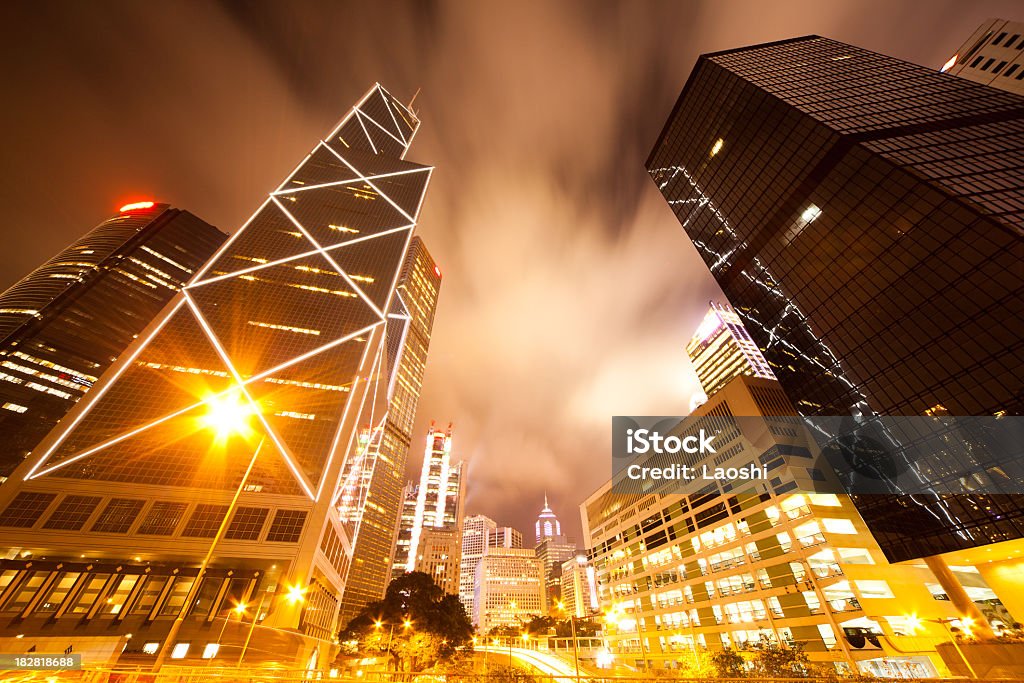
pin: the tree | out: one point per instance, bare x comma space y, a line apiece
774, 661
729, 664
415, 623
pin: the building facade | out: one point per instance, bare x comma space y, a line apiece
439, 555
547, 525
62, 325
509, 589
376, 476
722, 349
552, 552
223, 400
505, 537
476, 532
685, 575
858, 213
993, 55
579, 587
439, 498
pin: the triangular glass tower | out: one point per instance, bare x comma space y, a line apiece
285, 332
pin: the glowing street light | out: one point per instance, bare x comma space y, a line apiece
296, 593
225, 416
572, 623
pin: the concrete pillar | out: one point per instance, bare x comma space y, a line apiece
980, 627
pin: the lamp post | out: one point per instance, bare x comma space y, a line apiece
945, 623
240, 609
572, 626
512, 607
387, 649
252, 627
225, 417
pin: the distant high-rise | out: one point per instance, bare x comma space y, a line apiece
403, 534
993, 55
859, 214
505, 537
722, 349
375, 476
254, 382
552, 552
579, 587
509, 588
439, 497
547, 524
62, 325
439, 555
476, 531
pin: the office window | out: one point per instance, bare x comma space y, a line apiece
247, 523
118, 516
205, 521
287, 526
72, 512
26, 508
163, 518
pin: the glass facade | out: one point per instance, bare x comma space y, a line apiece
865, 218
277, 343
378, 469
64, 324
437, 503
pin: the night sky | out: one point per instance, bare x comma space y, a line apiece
569, 289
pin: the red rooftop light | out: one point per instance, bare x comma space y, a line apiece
437, 271
137, 206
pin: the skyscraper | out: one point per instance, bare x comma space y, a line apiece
858, 213
438, 504
733, 564
993, 55
476, 531
722, 349
62, 325
509, 588
505, 537
547, 524
252, 387
375, 476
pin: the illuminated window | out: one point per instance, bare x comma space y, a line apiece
14, 407
179, 651
150, 648
839, 526
210, 651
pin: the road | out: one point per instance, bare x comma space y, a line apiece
543, 662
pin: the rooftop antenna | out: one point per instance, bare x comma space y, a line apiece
414, 99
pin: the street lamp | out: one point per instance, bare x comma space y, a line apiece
387, 650
239, 609
572, 624
252, 627
512, 608
226, 415
965, 624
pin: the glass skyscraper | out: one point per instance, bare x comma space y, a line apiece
64, 323
372, 499
280, 341
865, 218
438, 502
722, 349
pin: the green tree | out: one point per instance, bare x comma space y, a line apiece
774, 661
415, 623
729, 664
